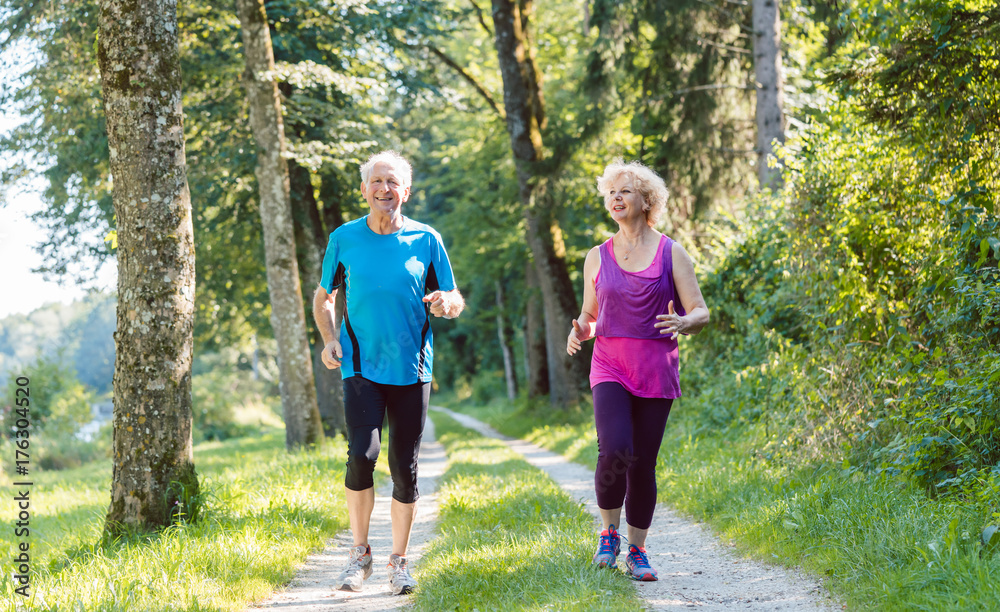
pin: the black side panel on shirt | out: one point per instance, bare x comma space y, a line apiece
356, 349
338, 276
431, 284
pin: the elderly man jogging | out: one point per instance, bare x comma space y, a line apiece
395, 273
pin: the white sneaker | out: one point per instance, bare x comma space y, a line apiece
400, 580
359, 567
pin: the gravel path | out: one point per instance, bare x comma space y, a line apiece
312, 588
695, 570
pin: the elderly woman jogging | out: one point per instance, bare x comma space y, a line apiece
639, 294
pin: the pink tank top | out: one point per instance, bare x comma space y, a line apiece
628, 349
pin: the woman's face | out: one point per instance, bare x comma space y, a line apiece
623, 200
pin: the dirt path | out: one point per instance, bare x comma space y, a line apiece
312, 588
696, 571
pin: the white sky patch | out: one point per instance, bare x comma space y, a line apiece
22, 291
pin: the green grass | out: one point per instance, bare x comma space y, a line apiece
510, 538
265, 509
879, 542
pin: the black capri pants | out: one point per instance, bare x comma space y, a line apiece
366, 404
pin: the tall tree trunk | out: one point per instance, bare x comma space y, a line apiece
311, 244
525, 119
504, 335
536, 354
298, 392
141, 82
330, 194
770, 92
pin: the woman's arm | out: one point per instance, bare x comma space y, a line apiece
689, 294
328, 323
585, 325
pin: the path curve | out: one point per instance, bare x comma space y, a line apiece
696, 571
312, 588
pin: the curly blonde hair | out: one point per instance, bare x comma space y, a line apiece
648, 183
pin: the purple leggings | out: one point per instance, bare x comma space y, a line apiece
629, 432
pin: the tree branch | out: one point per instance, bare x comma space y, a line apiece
705, 41
482, 20
468, 77
712, 87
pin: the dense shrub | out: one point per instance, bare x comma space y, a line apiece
856, 314
59, 405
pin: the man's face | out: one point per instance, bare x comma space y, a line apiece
384, 189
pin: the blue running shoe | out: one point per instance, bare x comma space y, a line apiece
638, 564
608, 548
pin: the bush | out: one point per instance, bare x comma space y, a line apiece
58, 403
227, 402
62, 451
59, 407
856, 314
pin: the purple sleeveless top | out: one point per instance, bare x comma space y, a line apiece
628, 349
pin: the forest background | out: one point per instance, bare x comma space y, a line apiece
855, 308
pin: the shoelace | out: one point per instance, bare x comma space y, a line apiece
607, 542
401, 570
639, 558
354, 563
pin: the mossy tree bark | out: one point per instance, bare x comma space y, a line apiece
536, 355
525, 113
770, 91
505, 335
298, 391
153, 474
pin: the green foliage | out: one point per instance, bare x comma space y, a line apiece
879, 542
79, 334
93, 335
679, 69
855, 315
70, 450
59, 404
227, 401
934, 73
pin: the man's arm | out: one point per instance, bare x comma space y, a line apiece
328, 323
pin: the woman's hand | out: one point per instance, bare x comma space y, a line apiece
581, 332
671, 323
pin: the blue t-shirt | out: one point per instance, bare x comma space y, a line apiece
386, 333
